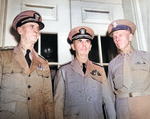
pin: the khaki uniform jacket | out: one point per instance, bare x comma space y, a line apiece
25, 93
81, 96
132, 102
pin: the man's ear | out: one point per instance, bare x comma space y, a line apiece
130, 37
19, 29
72, 46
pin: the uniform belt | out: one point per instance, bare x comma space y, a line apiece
134, 94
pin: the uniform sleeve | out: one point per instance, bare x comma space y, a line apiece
108, 97
48, 98
59, 93
108, 100
110, 80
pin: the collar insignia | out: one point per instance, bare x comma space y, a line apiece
95, 72
39, 67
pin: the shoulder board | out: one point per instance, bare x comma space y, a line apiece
97, 64
42, 57
7, 48
65, 64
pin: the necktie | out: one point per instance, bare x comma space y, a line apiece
27, 57
84, 68
127, 77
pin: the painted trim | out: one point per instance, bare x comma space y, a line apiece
140, 35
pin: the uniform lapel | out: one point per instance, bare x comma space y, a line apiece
38, 62
89, 68
19, 57
35, 61
76, 67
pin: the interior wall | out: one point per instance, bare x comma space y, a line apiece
137, 11
128, 14
145, 12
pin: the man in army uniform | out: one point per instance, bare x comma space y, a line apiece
81, 86
129, 73
25, 82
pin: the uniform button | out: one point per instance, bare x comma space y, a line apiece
29, 75
85, 90
29, 98
87, 100
29, 86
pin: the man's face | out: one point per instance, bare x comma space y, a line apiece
122, 39
29, 32
81, 46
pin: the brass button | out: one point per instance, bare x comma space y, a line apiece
29, 86
29, 98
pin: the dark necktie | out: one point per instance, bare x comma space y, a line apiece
84, 68
27, 57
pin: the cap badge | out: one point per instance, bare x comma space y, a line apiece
36, 16
82, 31
114, 24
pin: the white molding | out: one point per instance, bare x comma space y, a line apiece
3, 4
100, 49
98, 16
140, 35
48, 12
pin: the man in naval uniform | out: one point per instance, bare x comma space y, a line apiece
129, 73
25, 82
81, 86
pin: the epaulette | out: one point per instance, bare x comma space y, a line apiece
65, 64
97, 64
7, 48
42, 57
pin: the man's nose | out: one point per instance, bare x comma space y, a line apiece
84, 43
36, 30
117, 39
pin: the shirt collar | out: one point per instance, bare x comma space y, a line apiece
129, 53
80, 63
24, 51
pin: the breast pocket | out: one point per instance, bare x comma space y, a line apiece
73, 87
10, 70
43, 73
12, 77
140, 72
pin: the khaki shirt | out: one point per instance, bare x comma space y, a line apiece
127, 99
25, 92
